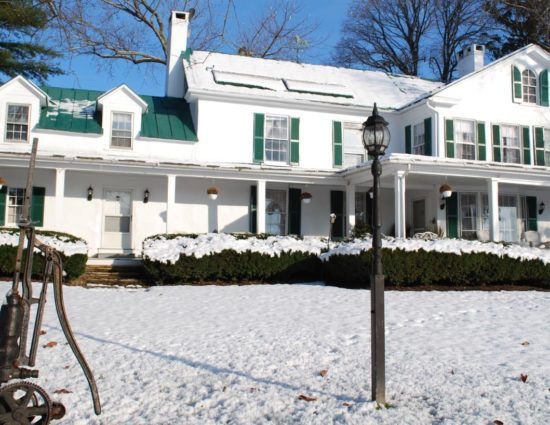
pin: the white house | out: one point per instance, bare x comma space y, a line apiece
116, 167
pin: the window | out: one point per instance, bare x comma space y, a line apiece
17, 123
354, 152
275, 212
418, 147
547, 145
276, 140
511, 147
16, 198
121, 133
512, 216
529, 86
464, 137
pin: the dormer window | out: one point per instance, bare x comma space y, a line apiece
121, 130
17, 123
529, 86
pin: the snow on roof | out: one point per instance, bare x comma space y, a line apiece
242, 75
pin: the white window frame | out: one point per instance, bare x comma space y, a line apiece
525, 85
353, 150
284, 213
458, 141
27, 124
418, 139
519, 147
475, 217
285, 140
546, 139
9, 217
113, 113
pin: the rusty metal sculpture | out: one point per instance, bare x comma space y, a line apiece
24, 402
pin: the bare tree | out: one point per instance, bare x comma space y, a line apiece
385, 35
457, 23
282, 31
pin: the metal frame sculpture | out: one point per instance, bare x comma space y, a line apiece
24, 402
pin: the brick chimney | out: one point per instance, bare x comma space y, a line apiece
470, 59
177, 44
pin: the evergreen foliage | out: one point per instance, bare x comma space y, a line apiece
19, 54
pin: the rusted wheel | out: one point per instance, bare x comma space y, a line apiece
24, 403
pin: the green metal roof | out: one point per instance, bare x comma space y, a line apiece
75, 110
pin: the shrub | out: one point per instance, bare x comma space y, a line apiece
413, 268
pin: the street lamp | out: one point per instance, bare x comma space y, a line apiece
376, 138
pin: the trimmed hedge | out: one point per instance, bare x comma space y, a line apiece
231, 266
414, 268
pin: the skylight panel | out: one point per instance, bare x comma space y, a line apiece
248, 80
323, 89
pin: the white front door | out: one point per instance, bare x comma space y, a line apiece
117, 220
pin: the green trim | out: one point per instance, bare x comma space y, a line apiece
449, 138
258, 140
337, 149
337, 207
428, 137
451, 208
532, 223
294, 211
3, 196
295, 140
526, 146
539, 146
37, 206
253, 210
186, 54
543, 84
516, 82
496, 143
408, 139
481, 143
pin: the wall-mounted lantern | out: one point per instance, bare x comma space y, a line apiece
212, 192
90, 193
446, 191
541, 207
146, 196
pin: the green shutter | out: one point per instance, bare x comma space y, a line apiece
408, 139
481, 144
526, 146
539, 146
37, 206
259, 122
543, 83
337, 207
3, 193
516, 82
449, 138
531, 213
295, 140
428, 137
337, 143
253, 210
452, 215
294, 212
496, 143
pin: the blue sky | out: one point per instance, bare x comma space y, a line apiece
88, 73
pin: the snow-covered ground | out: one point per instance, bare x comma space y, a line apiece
245, 354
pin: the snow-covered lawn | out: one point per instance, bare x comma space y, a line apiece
244, 355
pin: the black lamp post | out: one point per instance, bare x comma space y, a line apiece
376, 138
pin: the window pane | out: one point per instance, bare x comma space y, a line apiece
16, 198
121, 131
276, 142
275, 211
352, 159
418, 139
529, 85
511, 151
17, 123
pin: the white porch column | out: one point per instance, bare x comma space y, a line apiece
492, 189
59, 196
170, 203
350, 206
400, 213
260, 207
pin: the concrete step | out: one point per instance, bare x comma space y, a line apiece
111, 275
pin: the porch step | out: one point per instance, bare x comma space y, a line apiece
112, 275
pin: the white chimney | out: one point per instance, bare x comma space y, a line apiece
177, 44
470, 59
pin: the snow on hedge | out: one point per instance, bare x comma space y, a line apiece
66, 245
169, 250
451, 246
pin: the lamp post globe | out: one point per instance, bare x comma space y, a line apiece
376, 139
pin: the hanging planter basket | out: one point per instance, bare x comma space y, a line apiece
212, 192
2, 182
446, 190
306, 197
